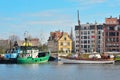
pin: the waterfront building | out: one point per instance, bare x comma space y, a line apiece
90, 38
112, 35
65, 43
59, 42
53, 41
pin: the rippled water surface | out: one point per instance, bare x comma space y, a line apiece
54, 71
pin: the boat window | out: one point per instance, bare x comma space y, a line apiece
42, 54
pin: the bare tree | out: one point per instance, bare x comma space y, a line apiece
42, 38
3, 46
27, 35
12, 40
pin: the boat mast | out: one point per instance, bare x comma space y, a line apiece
95, 36
78, 18
79, 29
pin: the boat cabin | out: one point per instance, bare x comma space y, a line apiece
43, 54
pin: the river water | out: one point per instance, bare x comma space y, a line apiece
54, 71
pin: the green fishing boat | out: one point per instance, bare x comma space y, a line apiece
30, 54
29, 58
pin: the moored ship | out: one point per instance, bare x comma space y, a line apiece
25, 54
30, 54
95, 59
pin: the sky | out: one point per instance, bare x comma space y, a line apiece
40, 17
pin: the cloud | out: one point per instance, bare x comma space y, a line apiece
47, 13
86, 2
48, 18
114, 3
96, 1
46, 21
54, 23
8, 19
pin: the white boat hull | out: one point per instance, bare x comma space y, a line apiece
70, 61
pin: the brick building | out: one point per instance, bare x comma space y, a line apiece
112, 34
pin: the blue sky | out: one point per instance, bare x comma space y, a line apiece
43, 16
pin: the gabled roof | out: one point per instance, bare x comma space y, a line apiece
65, 33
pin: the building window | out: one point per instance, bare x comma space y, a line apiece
77, 32
81, 32
117, 33
85, 41
99, 37
92, 41
88, 32
107, 34
88, 41
85, 46
117, 40
118, 27
98, 41
82, 37
82, 41
98, 46
68, 43
112, 33
64, 43
77, 50
77, 45
111, 28
85, 32
99, 32
65, 38
77, 41
77, 36
92, 31
85, 37
81, 46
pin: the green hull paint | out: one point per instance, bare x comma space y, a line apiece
32, 55
31, 60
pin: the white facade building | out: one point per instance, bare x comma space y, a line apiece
89, 38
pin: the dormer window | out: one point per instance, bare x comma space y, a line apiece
65, 38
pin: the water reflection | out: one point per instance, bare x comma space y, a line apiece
54, 71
